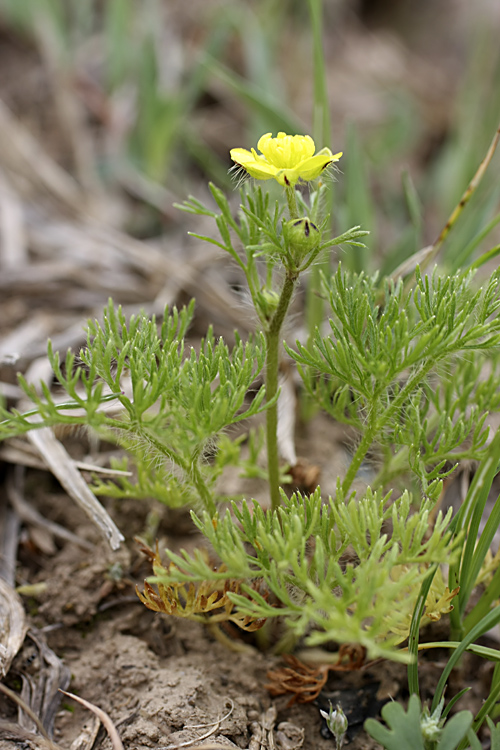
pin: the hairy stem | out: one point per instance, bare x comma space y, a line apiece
369, 433
272, 366
191, 470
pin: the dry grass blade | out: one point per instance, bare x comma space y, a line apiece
409, 265
147, 190
467, 195
11, 732
31, 516
12, 625
10, 524
22, 339
12, 240
62, 466
24, 156
103, 716
214, 726
53, 675
87, 737
427, 254
213, 723
20, 453
68, 106
27, 710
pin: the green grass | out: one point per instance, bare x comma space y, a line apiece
242, 55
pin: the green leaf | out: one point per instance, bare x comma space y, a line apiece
455, 730
404, 731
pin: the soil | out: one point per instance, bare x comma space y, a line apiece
164, 682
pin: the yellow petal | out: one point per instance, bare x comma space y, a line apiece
287, 158
263, 141
256, 166
312, 168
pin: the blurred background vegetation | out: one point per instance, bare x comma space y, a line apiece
141, 102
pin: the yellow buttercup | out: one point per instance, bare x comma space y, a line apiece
286, 158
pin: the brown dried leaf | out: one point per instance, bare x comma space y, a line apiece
12, 625
204, 601
303, 682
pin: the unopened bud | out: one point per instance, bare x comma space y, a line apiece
337, 723
267, 301
432, 724
302, 235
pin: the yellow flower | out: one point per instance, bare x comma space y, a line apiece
287, 158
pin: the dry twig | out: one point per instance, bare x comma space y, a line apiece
103, 716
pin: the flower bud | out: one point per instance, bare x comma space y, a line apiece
432, 724
337, 723
267, 301
302, 236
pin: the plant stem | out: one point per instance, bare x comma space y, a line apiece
272, 367
191, 470
231, 644
361, 451
201, 486
377, 420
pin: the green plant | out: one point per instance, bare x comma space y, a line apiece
401, 364
418, 729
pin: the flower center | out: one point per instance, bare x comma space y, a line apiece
286, 151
